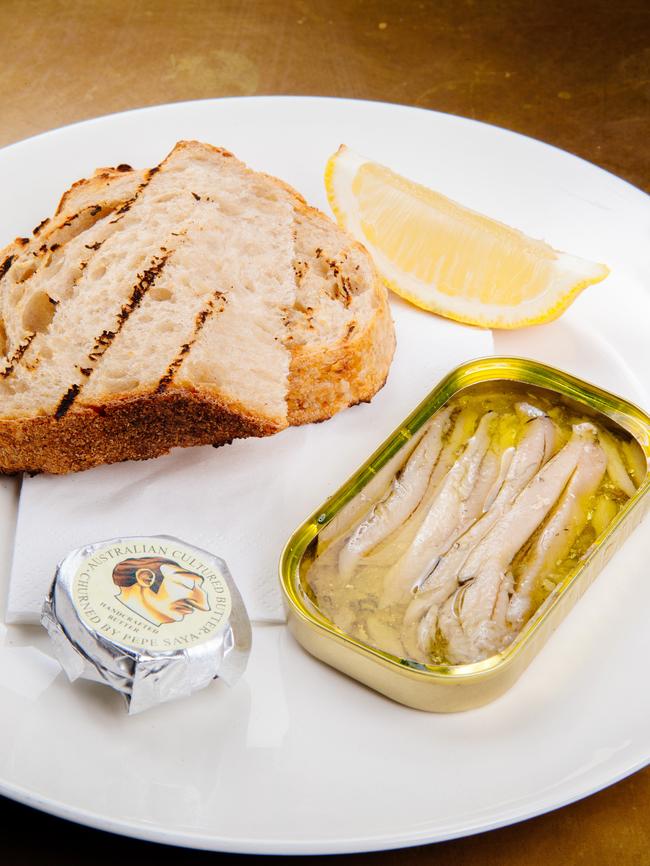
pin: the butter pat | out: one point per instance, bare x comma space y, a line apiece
152, 617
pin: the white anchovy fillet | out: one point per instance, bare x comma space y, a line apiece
636, 460
403, 496
505, 462
464, 424
615, 466
461, 647
354, 510
448, 620
529, 454
457, 503
482, 613
560, 531
552, 441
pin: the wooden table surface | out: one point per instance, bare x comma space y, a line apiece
575, 74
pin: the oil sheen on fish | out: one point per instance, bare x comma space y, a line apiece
403, 496
450, 549
457, 503
483, 612
536, 441
560, 531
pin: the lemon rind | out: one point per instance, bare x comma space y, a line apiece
577, 274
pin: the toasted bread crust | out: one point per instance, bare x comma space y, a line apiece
104, 186
87, 199
324, 377
324, 381
136, 428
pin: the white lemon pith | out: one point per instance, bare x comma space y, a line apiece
448, 259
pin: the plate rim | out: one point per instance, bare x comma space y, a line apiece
333, 99
159, 834
278, 847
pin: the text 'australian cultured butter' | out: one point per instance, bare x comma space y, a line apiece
153, 617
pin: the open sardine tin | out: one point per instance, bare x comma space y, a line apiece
437, 684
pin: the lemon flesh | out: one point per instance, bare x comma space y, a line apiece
448, 259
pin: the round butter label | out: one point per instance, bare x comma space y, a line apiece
151, 594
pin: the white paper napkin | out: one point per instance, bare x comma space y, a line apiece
241, 501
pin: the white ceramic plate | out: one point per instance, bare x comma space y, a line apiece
297, 758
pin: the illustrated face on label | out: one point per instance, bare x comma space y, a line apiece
149, 594
159, 589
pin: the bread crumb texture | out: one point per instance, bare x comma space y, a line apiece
188, 304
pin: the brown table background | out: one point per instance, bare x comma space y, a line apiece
575, 74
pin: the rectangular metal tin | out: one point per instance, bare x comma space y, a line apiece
447, 688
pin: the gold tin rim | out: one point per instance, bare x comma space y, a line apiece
624, 413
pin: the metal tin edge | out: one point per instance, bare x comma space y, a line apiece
624, 413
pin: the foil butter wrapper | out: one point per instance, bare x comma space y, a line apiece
152, 617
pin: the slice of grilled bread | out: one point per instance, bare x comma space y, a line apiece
189, 304
341, 334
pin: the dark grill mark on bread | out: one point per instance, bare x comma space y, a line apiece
86, 217
123, 166
341, 289
175, 364
300, 269
145, 281
111, 427
127, 204
17, 355
94, 246
4, 267
41, 225
333, 266
101, 344
46, 253
346, 288
197, 197
201, 318
68, 399
22, 348
22, 241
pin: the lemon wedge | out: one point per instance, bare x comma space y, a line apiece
446, 258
